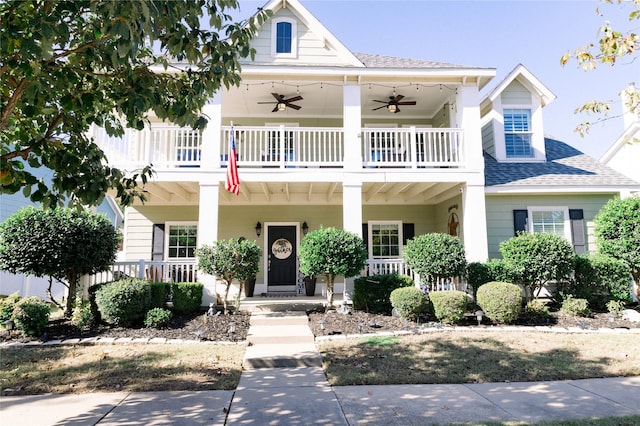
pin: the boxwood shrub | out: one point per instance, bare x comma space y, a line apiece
371, 294
124, 302
187, 297
159, 293
448, 306
7, 305
31, 315
158, 318
500, 301
409, 302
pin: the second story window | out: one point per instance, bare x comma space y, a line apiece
283, 38
517, 133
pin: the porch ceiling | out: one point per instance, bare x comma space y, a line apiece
324, 99
301, 193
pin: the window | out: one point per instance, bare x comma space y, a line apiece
550, 220
182, 241
517, 133
385, 240
283, 38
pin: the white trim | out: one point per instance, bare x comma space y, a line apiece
527, 79
563, 209
370, 224
294, 38
167, 226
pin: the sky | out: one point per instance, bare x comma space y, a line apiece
500, 35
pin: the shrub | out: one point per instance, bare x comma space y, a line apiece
615, 307
478, 273
599, 278
372, 294
448, 306
409, 302
124, 302
97, 318
158, 318
159, 292
31, 315
574, 306
435, 256
187, 297
82, 315
501, 302
537, 308
7, 305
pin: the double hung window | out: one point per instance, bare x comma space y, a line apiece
517, 133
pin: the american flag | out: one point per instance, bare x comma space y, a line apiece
233, 181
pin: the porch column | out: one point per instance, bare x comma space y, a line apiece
468, 118
208, 232
210, 150
352, 122
351, 220
474, 223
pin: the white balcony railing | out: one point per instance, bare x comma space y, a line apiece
166, 146
152, 270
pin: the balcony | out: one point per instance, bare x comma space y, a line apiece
168, 147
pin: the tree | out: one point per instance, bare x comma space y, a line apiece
233, 259
332, 252
66, 65
532, 260
612, 46
435, 256
617, 231
61, 243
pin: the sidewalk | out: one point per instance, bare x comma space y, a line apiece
283, 384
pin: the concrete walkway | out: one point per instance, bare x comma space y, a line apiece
283, 384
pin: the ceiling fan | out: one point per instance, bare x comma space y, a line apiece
281, 103
393, 104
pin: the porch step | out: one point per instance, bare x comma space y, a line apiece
281, 356
259, 320
274, 334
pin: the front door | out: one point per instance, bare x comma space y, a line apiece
281, 258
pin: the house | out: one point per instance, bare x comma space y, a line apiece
385, 147
624, 153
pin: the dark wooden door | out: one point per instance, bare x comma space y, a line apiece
282, 253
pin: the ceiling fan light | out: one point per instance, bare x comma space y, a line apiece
392, 107
282, 106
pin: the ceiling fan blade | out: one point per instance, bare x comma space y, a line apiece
382, 102
407, 103
278, 97
397, 99
296, 107
383, 106
295, 99
260, 103
275, 109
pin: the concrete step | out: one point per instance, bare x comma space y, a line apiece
259, 320
279, 334
286, 355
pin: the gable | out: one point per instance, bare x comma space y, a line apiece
314, 45
516, 94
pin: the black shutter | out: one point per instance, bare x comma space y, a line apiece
157, 242
519, 221
577, 230
365, 236
408, 232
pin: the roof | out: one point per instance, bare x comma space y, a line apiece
565, 167
381, 61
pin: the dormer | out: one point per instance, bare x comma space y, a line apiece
512, 128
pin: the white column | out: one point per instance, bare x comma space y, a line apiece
468, 118
352, 121
351, 220
474, 223
208, 232
210, 154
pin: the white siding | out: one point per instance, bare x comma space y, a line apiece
488, 139
516, 94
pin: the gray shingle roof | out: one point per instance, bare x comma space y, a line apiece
381, 61
565, 166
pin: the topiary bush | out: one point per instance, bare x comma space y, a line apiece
187, 297
409, 302
158, 318
435, 256
501, 302
7, 306
31, 315
371, 294
448, 306
575, 307
123, 302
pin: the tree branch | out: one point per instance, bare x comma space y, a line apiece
13, 101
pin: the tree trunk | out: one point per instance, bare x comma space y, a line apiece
329, 279
72, 277
226, 294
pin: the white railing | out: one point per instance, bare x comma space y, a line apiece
284, 146
397, 266
152, 270
413, 147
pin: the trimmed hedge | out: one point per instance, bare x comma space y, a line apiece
501, 302
371, 294
31, 315
187, 297
409, 302
448, 306
159, 292
124, 302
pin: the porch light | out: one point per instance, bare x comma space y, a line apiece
232, 327
305, 228
281, 106
392, 107
258, 229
